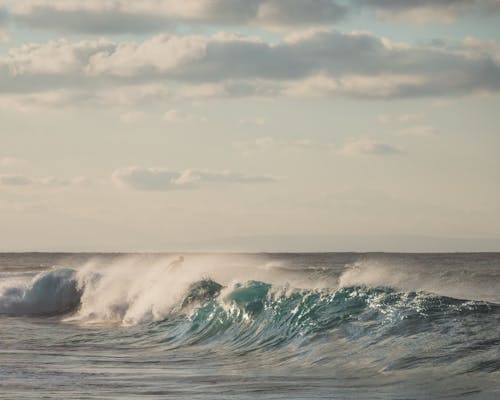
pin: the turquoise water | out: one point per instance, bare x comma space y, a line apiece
296, 326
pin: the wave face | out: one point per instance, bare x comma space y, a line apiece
50, 292
375, 320
255, 315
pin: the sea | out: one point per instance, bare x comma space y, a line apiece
250, 326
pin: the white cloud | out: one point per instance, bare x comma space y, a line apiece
163, 179
259, 121
130, 95
161, 54
174, 115
476, 47
15, 180
369, 147
303, 142
56, 57
266, 144
49, 99
324, 63
203, 91
400, 118
116, 97
444, 103
80, 181
409, 124
132, 116
366, 86
419, 130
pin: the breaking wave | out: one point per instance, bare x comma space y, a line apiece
50, 292
183, 307
329, 323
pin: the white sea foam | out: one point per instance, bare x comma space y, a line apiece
128, 291
460, 284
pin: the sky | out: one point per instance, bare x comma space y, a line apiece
249, 125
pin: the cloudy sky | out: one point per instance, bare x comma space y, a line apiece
249, 125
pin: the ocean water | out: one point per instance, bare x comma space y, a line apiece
247, 326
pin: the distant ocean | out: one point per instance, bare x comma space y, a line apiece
250, 326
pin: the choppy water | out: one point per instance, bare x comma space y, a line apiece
270, 326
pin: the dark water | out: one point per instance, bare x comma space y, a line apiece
270, 326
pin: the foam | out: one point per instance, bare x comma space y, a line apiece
416, 278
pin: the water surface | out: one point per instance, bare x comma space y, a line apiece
273, 326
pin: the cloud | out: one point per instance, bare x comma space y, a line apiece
472, 45
268, 144
13, 180
369, 147
49, 99
400, 118
91, 16
55, 57
265, 143
132, 117
52, 181
160, 54
361, 86
163, 179
258, 121
322, 63
174, 115
409, 124
148, 16
299, 12
423, 11
128, 95
115, 97
419, 130
231, 88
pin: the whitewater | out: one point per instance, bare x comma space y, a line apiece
246, 326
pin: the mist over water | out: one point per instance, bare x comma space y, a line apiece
250, 325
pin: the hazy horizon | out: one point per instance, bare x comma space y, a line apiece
298, 244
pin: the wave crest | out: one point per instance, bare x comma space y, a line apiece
256, 315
